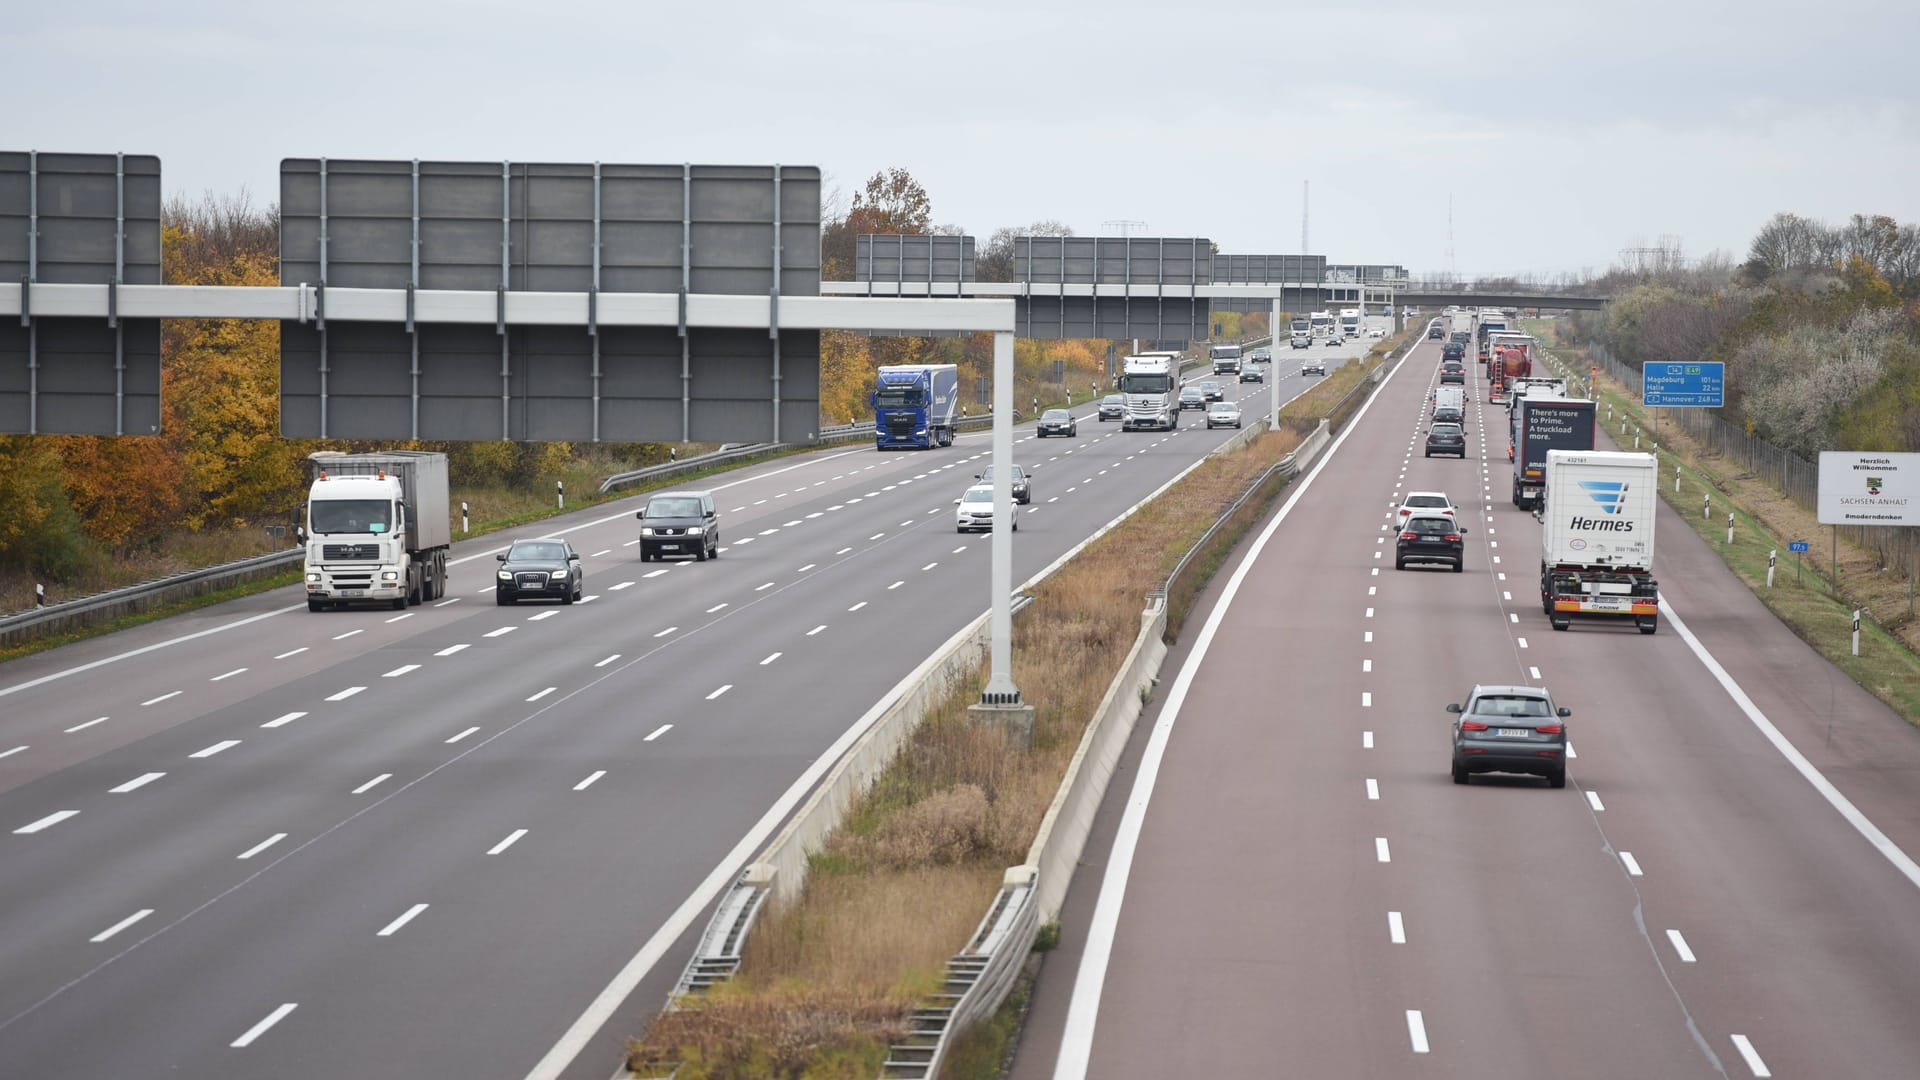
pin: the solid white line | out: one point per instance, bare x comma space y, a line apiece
1680, 946
608, 660
228, 675
657, 732
667, 631
262, 846
136, 783
1366, 699
1632, 864
292, 652
401, 921
723, 689
450, 650
347, 693
224, 744
161, 698
348, 634
464, 734
1396, 929
1380, 850
507, 843
88, 724
1593, 800
1751, 1055
543, 693
1373, 788
1417, 1030
10, 753
47, 822
816, 629
770, 659
369, 785
121, 925
401, 670
1861, 823
1366, 740
588, 782
260, 1028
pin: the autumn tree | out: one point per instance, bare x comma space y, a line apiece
892, 202
995, 261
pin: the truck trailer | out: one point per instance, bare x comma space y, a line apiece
914, 406
1541, 424
1152, 402
378, 528
1597, 538
1512, 358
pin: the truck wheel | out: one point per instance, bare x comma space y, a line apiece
316, 605
399, 603
1560, 622
416, 586
1649, 623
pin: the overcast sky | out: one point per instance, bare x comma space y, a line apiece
1561, 132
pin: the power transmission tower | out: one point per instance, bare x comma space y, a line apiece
1304, 185
1452, 273
1124, 226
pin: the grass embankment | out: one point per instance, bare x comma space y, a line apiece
828, 980
1765, 519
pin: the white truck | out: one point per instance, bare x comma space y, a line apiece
1322, 323
1226, 359
1597, 538
1152, 401
378, 528
1349, 322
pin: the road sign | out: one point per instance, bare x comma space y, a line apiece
1799, 545
1868, 488
1688, 386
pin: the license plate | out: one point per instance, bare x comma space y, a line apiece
1513, 732
669, 547
1610, 603
353, 592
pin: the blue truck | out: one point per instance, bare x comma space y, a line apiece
914, 406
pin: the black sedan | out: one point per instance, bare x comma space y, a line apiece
1430, 538
1453, 373
539, 569
1434, 333
1446, 439
1113, 407
1057, 422
1192, 397
1511, 729
1022, 485
1213, 391
1252, 374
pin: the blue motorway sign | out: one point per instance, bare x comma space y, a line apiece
1797, 545
1701, 386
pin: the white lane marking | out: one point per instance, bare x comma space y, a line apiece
484, 591
1511, 617
667, 631
262, 846
345, 694
1570, 752
816, 629
1496, 560
1752, 1056
1504, 595
1366, 740
121, 925
1369, 613
224, 744
1366, 665
47, 822
1373, 789
543, 615
743, 541
1680, 946
397, 618
1632, 864
1056, 498
762, 502
291, 652
588, 782
1380, 850
500, 632
620, 585
1366, 699
769, 532
1417, 1030
161, 698
283, 720
450, 650
88, 724
401, 670
390, 928
373, 783
608, 660
1521, 641
657, 732
723, 689
805, 568
463, 734
348, 634
843, 551
1376, 572
815, 514
858, 606
136, 783
1368, 637
906, 523
1372, 589
602, 551
895, 585
876, 536
228, 675
1396, 929
1593, 800
763, 588
770, 659
511, 839
716, 607
1534, 672
542, 694
1503, 576
15, 750
656, 573
260, 1028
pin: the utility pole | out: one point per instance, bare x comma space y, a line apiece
1304, 192
1124, 226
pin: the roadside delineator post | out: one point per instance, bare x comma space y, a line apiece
1771, 557
560, 494
1856, 631
1729, 526
463, 517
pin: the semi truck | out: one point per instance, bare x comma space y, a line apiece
1597, 538
1488, 324
1152, 402
378, 528
1349, 322
1542, 424
914, 406
1512, 358
1226, 359
1322, 323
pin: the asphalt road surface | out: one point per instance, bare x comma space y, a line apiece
1295, 887
256, 841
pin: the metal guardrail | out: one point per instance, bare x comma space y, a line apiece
101, 606
693, 464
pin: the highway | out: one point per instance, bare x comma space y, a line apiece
255, 841
1284, 881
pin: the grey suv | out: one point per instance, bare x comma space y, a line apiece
1511, 729
679, 523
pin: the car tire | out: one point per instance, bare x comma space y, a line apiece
1460, 566
567, 597
1016, 526
961, 529
316, 605
701, 555
501, 599
1460, 774
714, 552
1399, 564
1557, 779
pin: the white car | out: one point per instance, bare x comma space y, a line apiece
1425, 503
1222, 413
1376, 331
975, 510
1313, 367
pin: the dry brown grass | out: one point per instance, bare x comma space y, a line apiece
176, 554
780, 1033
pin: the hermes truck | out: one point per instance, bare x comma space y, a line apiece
378, 528
1597, 538
914, 406
1541, 424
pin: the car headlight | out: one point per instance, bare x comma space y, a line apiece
389, 575
697, 530
646, 530
313, 579
559, 575
504, 575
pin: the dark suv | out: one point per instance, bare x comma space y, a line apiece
1431, 538
1453, 351
1512, 729
1453, 371
679, 523
1446, 439
539, 569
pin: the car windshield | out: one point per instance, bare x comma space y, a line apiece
350, 516
1222, 407
537, 550
1146, 384
1432, 526
1446, 429
1019, 474
1055, 414
975, 495
1427, 500
1511, 705
1191, 392
672, 508
901, 398
1115, 399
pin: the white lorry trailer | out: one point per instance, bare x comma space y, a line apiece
1597, 538
1349, 322
1148, 382
378, 528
